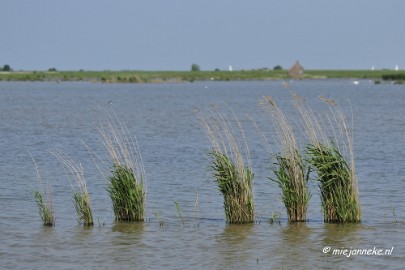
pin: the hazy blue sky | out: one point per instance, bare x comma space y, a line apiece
173, 34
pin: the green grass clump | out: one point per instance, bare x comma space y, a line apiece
83, 208
126, 184
126, 194
292, 172
394, 76
338, 191
233, 178
45, 208
235, 184
44, 200
330, 154
292, 175
81, 196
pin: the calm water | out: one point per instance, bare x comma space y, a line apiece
38, 117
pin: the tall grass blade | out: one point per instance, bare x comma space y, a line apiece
179, 212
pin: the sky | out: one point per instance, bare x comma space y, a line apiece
174, 34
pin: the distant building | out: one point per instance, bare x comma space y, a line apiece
296, 71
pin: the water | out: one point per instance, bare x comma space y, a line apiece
38, 117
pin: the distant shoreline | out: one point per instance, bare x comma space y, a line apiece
191, 76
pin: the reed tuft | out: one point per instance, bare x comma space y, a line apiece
292, 175
331, 156
236, 186
127, 183
338, 192
126, 194
44, 200
292, 172
234, 179
83, 208
45, 208
81, 196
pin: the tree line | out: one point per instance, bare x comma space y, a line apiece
6, 68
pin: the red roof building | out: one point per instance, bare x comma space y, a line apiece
296, 71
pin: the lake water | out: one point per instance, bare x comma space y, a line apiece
37, 117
